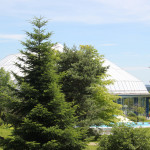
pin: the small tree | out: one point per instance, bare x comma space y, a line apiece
138, 110
41, 118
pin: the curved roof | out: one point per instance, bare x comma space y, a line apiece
125, 83
8, 63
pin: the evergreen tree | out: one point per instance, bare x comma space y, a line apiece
84, 73
41, 118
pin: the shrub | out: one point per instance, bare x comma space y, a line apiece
1, 122
133, 118
142, 118
94, 133
125, 138
131, 114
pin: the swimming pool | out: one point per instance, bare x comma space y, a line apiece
141, 124
133, 124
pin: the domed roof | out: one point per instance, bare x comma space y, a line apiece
124, 83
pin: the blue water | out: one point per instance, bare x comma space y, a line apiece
141, 124
135, 125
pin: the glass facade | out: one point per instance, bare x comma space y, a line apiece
137, 105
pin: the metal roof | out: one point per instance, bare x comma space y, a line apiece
125, 83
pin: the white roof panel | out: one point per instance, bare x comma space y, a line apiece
125, 83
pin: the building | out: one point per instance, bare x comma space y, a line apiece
131, 90
148, 87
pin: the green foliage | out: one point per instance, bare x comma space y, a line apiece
133, 118
5, 131
41, 118
80, 68
83, 73
139, 110
91, 147
105, 103
137, 118
93, 134
5, 93
1, 122
4, 88
131, 114
4, 79
125, 138
141, 118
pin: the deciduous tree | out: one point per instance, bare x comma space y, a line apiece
84, 84
5, 92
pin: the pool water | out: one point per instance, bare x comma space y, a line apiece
133, 124
141, 124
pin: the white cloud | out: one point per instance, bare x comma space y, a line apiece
86, 11
126, 11
12, 36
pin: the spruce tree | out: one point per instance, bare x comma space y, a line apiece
41, 118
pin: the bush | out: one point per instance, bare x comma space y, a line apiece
141, 118
131, 114
134, 119
94, 134
125, 138
1, 122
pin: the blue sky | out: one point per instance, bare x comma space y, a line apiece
118, 29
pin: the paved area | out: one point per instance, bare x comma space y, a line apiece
93, 143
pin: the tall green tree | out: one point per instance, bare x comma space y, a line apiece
83, 73
41, 118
